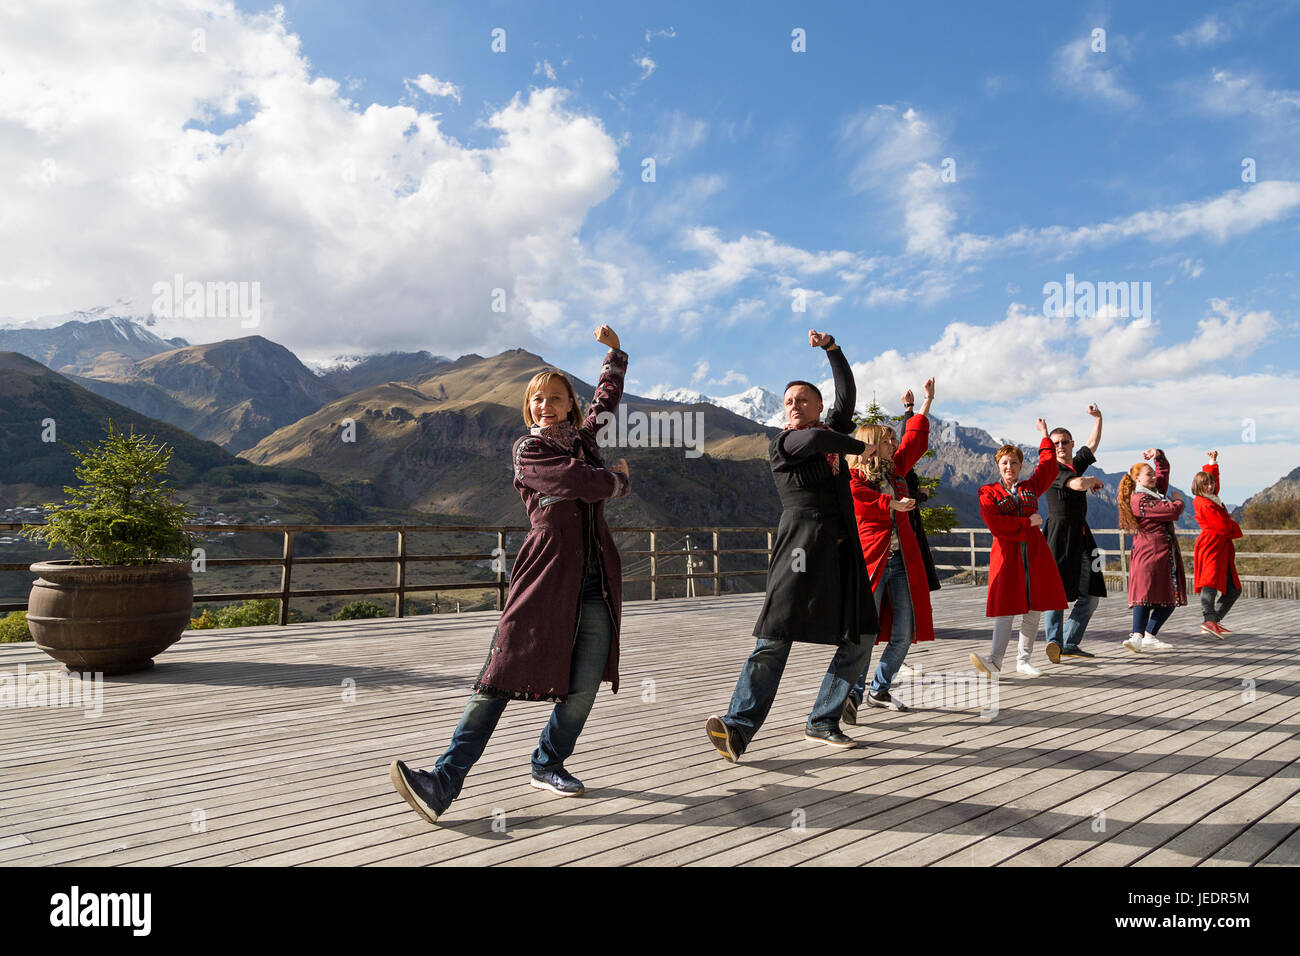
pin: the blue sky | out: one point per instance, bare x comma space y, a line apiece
380, 171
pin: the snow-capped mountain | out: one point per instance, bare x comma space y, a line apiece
757, 403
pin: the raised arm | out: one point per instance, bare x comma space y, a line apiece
916, 440
1094, 438
609, 389
846, 392
1160, 465
1046, 470
542, 467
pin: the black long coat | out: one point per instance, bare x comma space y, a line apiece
560, 475
1067, 531
817, 586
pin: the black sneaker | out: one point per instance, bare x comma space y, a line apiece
1076, 652
850, 714
558, 781
724, 739
831, 738
421, 790
1054, 652
886, 701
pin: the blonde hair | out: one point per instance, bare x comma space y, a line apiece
874, 467
1127, 520
541, 379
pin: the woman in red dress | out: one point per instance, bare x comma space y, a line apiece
895, 564
1023, 577
1156, 581
1214, 566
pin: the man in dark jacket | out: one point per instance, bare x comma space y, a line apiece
817, 587
1071, 540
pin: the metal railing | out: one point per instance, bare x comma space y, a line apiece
402, 558
1262, 585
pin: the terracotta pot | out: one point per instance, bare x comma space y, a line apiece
109, 618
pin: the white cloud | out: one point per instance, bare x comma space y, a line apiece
655, 34
544, 68
701, 371
647, 66
1210, 31
1229, 94
1092, 76
364, 226
732, 377
435, 87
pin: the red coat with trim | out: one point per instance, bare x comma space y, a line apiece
874, 519
1022, 572
1214, 558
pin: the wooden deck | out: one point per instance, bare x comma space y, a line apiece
239, 748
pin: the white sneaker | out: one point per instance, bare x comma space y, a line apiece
905, 670
987, 668
1134, 643
1028, 669
1152, 643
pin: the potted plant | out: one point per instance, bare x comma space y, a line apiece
126, 594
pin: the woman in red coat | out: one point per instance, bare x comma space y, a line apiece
1214, 566
1023, 577
557, 637
895, 564
1156, 581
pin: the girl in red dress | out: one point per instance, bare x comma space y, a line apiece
1023, 578
1156, 581
895, 564
1214, 568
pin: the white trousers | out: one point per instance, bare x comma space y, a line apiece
1002, 637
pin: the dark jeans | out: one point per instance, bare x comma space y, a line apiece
761, 676
1148, 618
891, 586
590, 651
1068, 634
1208, 595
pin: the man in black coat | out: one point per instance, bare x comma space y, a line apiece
1071, 540
817, 586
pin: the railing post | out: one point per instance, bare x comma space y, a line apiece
286, 566
1123, 561
654, 569
501, 572
401, 574
717, 567
973, 581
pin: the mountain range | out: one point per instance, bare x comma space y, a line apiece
419, 431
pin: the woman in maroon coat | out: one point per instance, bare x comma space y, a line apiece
1023, 577
557, 638
1156, 581
1214, 565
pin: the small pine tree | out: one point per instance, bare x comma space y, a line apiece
123, 513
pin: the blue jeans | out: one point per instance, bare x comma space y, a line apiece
892, 585
1068, 635
590, 652
761, 676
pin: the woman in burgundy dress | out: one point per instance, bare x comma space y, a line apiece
1023, 577
1156, 581
557, 637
